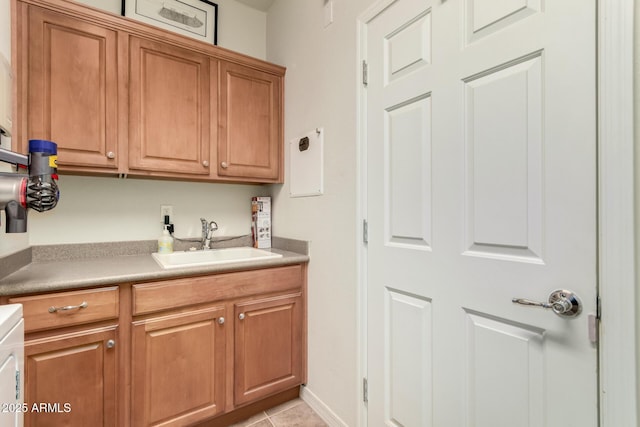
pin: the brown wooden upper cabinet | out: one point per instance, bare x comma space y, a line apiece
71, 89
121, 97
169, 108
250, 120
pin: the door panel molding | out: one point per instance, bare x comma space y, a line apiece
505, 177
408, 365
507, 382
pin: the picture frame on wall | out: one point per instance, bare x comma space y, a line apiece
193, 18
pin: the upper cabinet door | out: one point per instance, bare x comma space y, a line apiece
169, 109
250, 124
72, 89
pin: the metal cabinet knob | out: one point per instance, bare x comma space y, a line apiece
224, 165
111, 343
563, 303
221, 320
241, 316
111, 155
205, 163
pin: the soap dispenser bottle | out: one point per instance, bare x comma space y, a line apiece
165, 242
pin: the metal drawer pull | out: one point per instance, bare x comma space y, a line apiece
84, 304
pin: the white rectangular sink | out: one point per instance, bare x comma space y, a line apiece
212, 257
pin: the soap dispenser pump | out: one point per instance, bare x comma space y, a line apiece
165, 242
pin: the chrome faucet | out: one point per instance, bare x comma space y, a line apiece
207, 232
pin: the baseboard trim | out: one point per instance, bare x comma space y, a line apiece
320, 408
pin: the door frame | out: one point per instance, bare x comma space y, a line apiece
616, 215
618, 368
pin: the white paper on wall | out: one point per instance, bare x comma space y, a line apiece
306, 164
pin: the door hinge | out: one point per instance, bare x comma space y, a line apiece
365, 73
365, 390
365, 231
17, 385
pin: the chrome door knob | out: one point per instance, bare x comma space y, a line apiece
241, 316
562, 302
111, 344
221, 320
111, 155
205, 163
224, 165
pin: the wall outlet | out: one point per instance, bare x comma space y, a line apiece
166, 210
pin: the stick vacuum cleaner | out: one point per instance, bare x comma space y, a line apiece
38, 190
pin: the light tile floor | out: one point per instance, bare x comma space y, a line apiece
295, 413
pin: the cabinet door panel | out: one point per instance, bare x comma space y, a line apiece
72, 88
169, 113
250, 123
71, 380
178, 368
268, 346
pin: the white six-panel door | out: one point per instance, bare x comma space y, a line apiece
481, 188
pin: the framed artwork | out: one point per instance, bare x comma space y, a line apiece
192, 18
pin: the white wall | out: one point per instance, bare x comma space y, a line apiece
240, 28
99, 209
113, 6
9, 243
637, 163
321, 84
5, 29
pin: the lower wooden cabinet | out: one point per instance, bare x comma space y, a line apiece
71, 379
178, 367
268, 346
191, 361
173, 352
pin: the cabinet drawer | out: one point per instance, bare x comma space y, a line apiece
158, 296
68, 308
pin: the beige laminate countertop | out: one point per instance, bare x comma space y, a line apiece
45, 276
